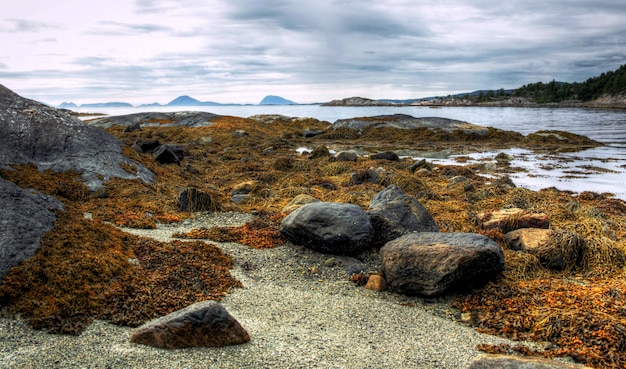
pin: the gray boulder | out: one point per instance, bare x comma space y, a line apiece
517, 362
203, 324
394, 214
31, 132
25, 216
433, 263
329, 227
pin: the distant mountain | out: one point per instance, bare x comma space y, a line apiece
107, 105
149, 105
190, 101
67, 105
276, 100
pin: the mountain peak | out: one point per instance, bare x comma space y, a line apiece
276, 100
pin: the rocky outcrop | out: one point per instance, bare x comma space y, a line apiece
358, 101
404, 121
431, 264
203, 324
152, 119
394, 214
26, 215
327, 227
31, 132
517, 362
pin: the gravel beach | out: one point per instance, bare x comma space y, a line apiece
299, 309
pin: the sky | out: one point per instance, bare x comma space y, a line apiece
238, 51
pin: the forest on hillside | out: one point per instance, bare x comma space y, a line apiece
611, 83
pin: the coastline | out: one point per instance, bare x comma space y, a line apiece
299, 313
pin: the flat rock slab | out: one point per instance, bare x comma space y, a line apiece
511, 219
404, 121
203, 324
152, 119
515, 362
433, 263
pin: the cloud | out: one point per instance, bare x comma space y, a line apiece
14, 25
229, 50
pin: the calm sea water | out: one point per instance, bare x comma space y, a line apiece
599, 170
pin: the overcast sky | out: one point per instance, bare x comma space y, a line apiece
238, 51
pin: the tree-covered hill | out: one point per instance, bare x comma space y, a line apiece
611, 83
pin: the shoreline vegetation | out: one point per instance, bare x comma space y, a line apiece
86, 267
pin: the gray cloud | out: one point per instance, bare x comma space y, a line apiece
14, 25
412, 48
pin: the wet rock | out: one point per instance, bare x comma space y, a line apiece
333, 228
517, 362
511, 219
394, 213
387, 155
192, 199
433, 263
26, 215
204, 324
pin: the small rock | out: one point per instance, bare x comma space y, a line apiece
376, 283
203, 324
387, 155
240, 133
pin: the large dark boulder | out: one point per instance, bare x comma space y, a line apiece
394, 214
31, 132
433, 263
25, 216
203, 324
329, 227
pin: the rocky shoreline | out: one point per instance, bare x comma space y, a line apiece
229, 183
